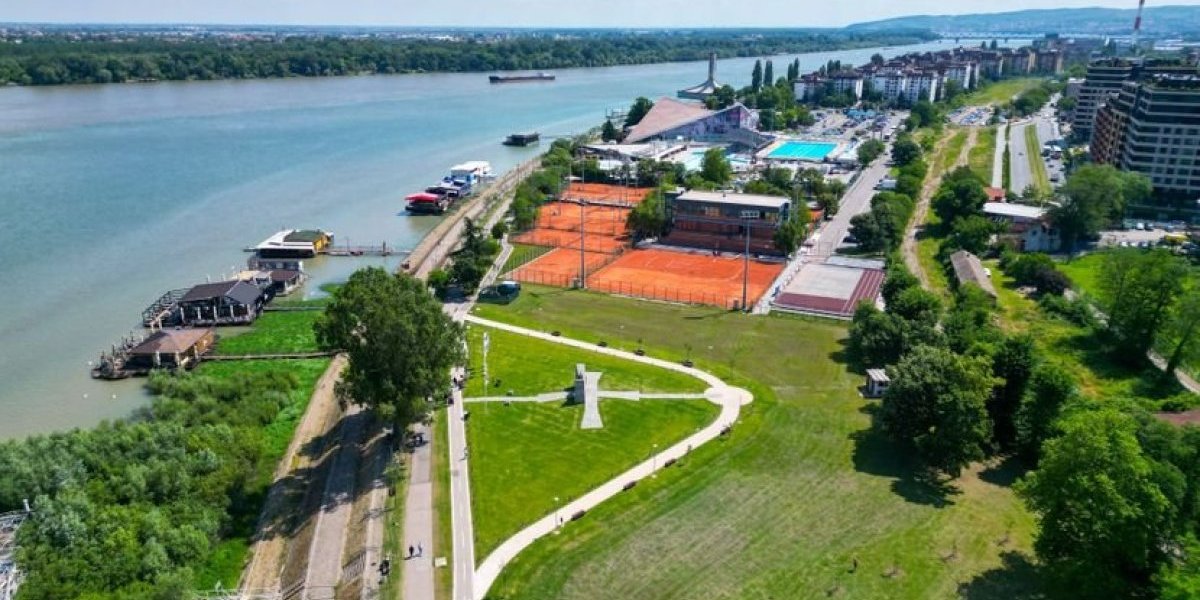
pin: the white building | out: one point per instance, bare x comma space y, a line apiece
922, 85
891, 84
964, 73
851, 83
1027, 224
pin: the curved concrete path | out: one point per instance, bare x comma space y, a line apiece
729, 398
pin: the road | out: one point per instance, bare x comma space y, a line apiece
857, 200
1021, 174
729, 398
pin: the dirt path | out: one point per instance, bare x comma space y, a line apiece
908, 248
322, 415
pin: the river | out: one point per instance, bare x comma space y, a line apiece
111, 195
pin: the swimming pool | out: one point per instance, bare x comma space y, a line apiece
802, 150
695, 160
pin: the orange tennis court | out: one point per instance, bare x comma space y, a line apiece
695, 278
559, 267
609, 220
569, 240
604, 192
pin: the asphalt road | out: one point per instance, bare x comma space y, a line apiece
856, 201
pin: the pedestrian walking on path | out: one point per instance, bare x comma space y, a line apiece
420, 550
410, 552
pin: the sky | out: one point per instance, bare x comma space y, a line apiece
523, 13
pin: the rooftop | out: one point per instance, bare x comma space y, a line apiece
1008, 209
171, 341
241, 291
668, 113
968, 269
755, 200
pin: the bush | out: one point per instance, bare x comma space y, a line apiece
1075, 311
499, 230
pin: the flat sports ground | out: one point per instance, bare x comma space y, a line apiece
605, 193
833, 288
678, 276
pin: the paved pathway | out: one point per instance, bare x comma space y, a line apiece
729, 398
329, 537
418, 520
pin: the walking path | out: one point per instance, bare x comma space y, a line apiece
418, 519
729, 398
329, 537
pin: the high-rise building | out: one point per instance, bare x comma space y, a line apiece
1105, 78
1152, 127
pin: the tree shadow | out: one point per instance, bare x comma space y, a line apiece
875, 454
843, 356
1017, 579
1005, 472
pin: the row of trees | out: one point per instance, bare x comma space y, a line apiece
61, 59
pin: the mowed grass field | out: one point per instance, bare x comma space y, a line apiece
526, 454
783, 506
528, 366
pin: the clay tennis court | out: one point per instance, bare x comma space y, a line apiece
569, 240
559, 267
606, 193
694, 278
608, 220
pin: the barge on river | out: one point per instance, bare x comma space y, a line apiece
543, 76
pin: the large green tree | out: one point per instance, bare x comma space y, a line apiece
649, 218
1094, 196
715, 167
1049, 389
1103, 520
1183, 328
1138, 290
961, 194
400, 343
638, 110
936, 404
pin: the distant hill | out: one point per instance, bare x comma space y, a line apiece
1158, 21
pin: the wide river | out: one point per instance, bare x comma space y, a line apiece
111, 195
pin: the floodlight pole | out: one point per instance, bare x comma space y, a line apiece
746, 261
582, 238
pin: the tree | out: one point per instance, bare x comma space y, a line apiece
1013, 365
936, 405
638, 110
1050, 388
960, 194
877, 59
896, 279
756, 76
973, 234
400, 343
768, 77
924, 113
869, 151
1183, 328
917, 304
1137, 291
790, 234
724, 97
872, 235
905, 151
876, 338
1092, 197
1102, 518
715, 167
968, 325
609, 132
1181, 581
649, 218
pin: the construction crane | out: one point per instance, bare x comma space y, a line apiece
1137, 25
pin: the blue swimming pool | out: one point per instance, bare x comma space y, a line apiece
802, 150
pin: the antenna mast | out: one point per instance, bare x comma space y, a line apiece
1137, 25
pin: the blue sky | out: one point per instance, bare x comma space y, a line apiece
530, 13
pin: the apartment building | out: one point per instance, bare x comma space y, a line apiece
1105, 78
1152, 126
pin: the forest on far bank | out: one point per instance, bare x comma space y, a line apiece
60, 58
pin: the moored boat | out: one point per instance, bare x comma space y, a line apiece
543, 76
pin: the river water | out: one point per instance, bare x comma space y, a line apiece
111, 195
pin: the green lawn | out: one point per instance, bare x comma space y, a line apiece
1001, 92
523, 254
1084, 272
529, 366
983, 155
1033, 152
273, 333
525, 455
229, 556
782, 507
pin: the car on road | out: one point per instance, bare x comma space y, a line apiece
849, 239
